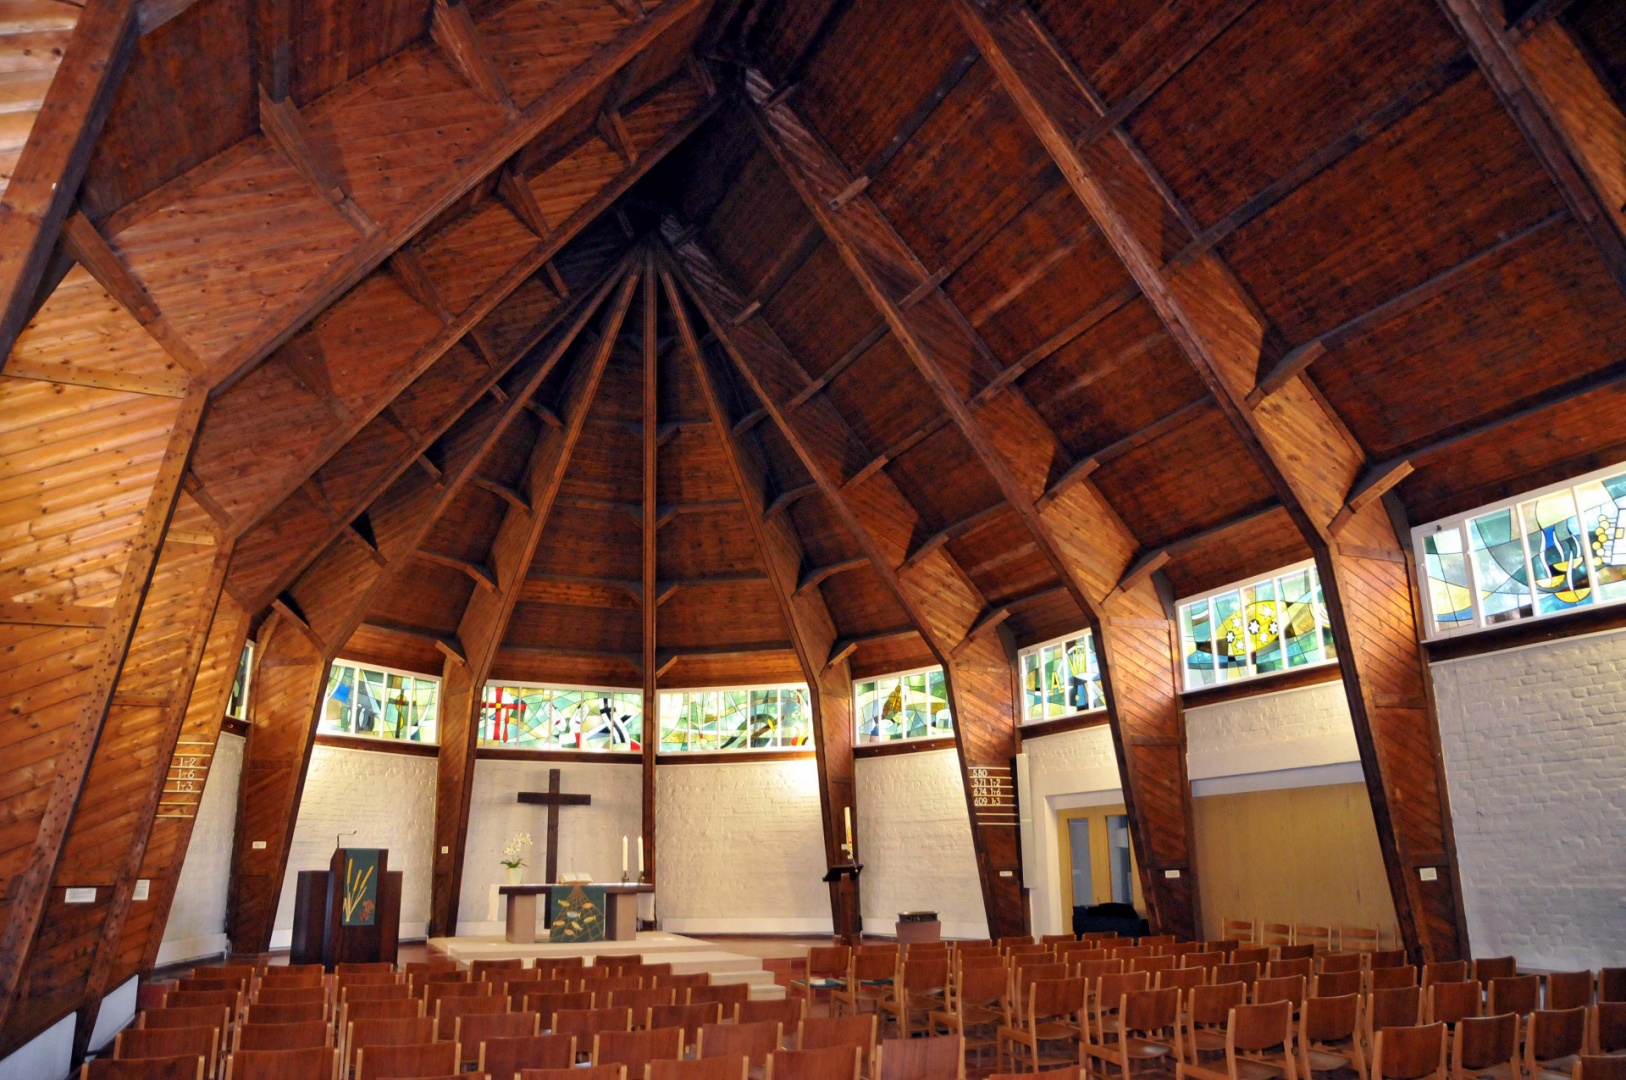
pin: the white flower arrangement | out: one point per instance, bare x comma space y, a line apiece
513, 852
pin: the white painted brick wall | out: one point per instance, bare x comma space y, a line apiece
1535, 757
1066, 769
589, 836
197, 917
740, 848
915, 843
1294, 729
389, 800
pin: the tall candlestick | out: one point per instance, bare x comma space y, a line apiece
623, 855
847, 815
640, 855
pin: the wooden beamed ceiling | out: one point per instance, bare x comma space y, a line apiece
955, 327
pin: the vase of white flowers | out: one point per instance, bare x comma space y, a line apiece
513, 856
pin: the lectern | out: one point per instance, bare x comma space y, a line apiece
348, 913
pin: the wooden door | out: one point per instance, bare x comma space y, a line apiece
1099, 838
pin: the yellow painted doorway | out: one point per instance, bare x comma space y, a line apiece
1097, 860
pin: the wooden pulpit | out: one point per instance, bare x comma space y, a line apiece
348, 913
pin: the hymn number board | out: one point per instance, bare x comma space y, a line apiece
993, 795
183, 786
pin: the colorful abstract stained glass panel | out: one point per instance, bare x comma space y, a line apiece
1602, 504
1263, 626
1449, 591
1498, 561
1300, 634
1231, 647
1197, 633
1558, 554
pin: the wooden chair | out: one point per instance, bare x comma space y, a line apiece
412, 1060
195, 984
305, 1063
650, 972
393, 1009
560, 967
516, 990
1444, 971
282, 1036
1259, 954
390, 991
979, 1004
1258, 1041
1276, 933
1310, 934
1330, 1033
753, 1041
286, 1014
447, 1011
683, 983
1396, 1006
1494, 967
586, 1072
586, 1023
1247, 974
1553, 1039
1181, 948
1337, 983
605, 985
184, 1067
1303, 967
719, 1068
502, 976
1589, 1067
1126, 953
360, 1033
1296, 952
1390, 978
1239, 929
1013, 940
547, 1003
1568, 989
935, 1057
374, 967
1106, 994
635, 1049
1048, 1011
1448, 1002
827, 970
728, 995
920, 987
472, 1032
1609, 1027
1156, 939
1208, 1018
230, 1000
1153, 964
691, 1018
1409, 1053
788, 1011
1334, 963
133, 1043
1486, 1046
1183, 979
1057, 939
869, 981
1612, 984
478, 968
507, 1056
1206, 961
1386, 958
1360, 939
820, 1032
418, 968
1149, 1032
1289, 988
435, 993
826, 1063
641, 1001
1520, 994
192, 1016
618, 961
1054, 1074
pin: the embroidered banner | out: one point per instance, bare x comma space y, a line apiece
576, 914
360, 886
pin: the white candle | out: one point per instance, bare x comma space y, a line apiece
847, 815
623, 854
640, 854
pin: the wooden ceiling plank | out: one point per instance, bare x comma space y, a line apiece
409, 271
811, 577
45, 180
484, 620
503, 491
288, 132
1208, 314
480, 574
649, 561
343, 589
453, 29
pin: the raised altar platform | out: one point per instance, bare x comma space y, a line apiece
686, 955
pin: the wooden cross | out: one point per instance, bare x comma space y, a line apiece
553, 799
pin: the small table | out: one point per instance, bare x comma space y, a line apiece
621, 920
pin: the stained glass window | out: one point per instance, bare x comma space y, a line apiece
908, 705
1259, 627
744, 718
1061, 678
531, 717
380, 703
237, 704
1544, 553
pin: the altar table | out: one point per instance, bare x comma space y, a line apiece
621, 920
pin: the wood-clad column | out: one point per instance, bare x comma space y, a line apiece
648, 563
318, 614
938, 598
1085, 542
480, 629
812, 630
1320, 475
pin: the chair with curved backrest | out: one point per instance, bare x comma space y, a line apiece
500, 976
587, 1023
368, 967
1337, 983
1281, 969
282, 1036
290, 995
1247, 973
1126, 953
788, 1011
1239, 929
870, 981
1276, 933
1154, 964
753, 1041
828, 967
1609, 1027
182, 1067
412, 1060
728, 995
1409, 1053
285, 1014
819, 1032
471, 1032
935, 1057
1590, 1067
1359, 939
389, 1009
381, 991
1486, 1046
1289, 988
1397, 1006
635, 1049
1007, 942
305, 1063
1184, 979
1553, 1039
507, 1056
1207, 960
691, 1018
683, 983
1296, 952
408, 1032
1258, 1045
1047, 1011
1106, 995
1444, 971
1148, 1033
1494, 967
214, 1016
1390, 978
980, 1003
1518, 994
515, 990
230, 1000
1333, 963
560, 967
435, 993
641, 1001
1448, 1002
1208, 1012
133, 1043
1330, 1033
825, 1063
1310, 934
1567, 989
921, 986
1386, 958
1253, 954
582, 1072
731, 1067
1612, 984
548, 1002
478, 968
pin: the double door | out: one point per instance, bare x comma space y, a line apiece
1097, 861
